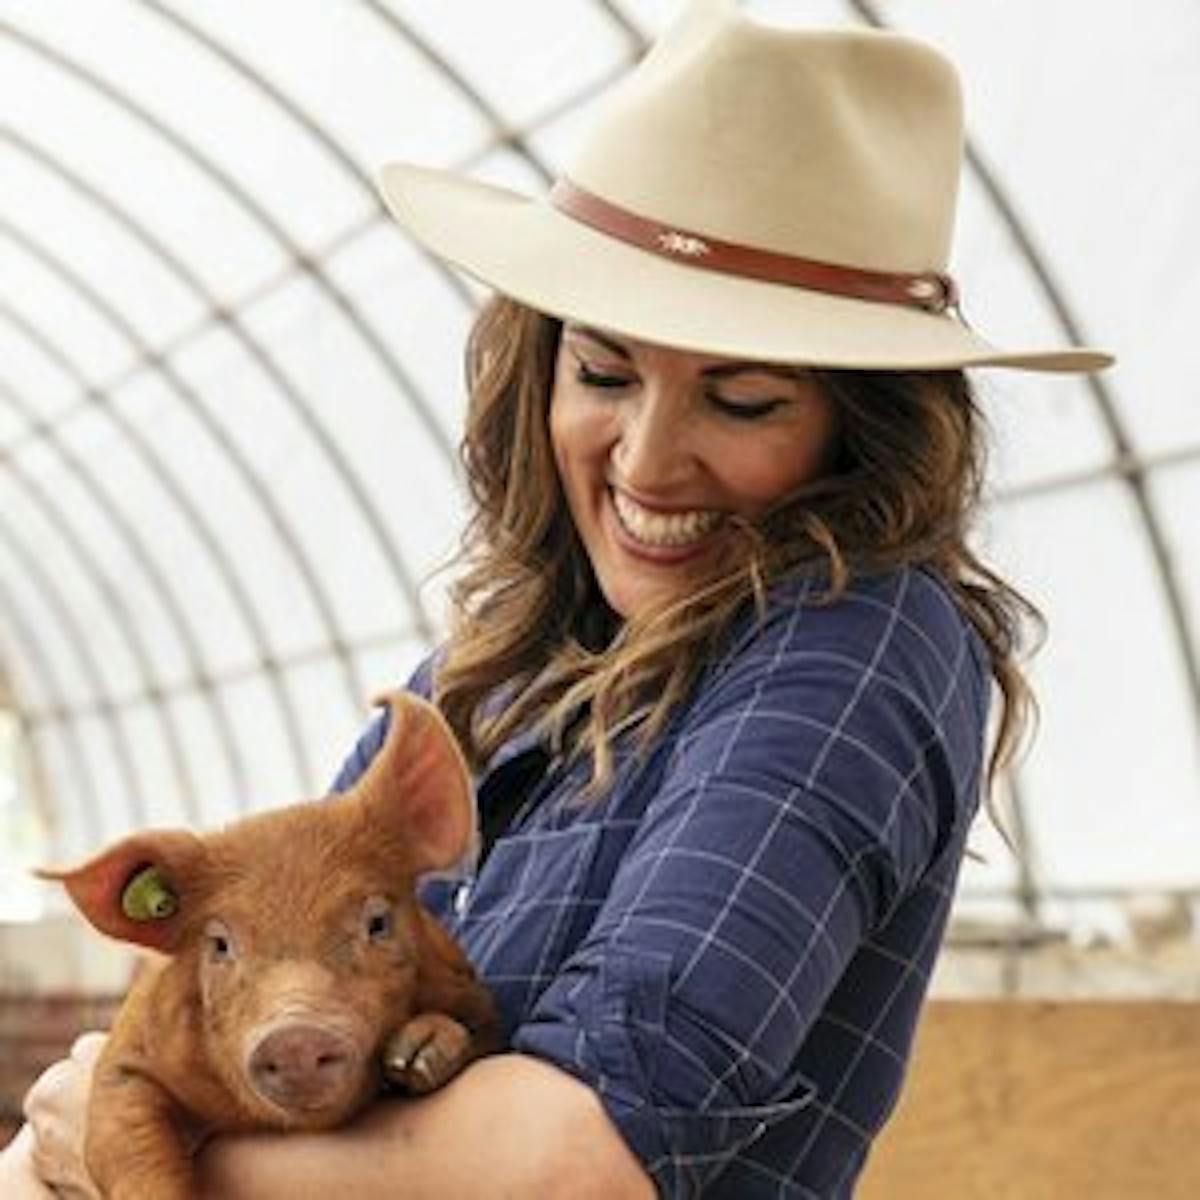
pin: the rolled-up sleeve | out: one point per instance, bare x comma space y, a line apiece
804, 797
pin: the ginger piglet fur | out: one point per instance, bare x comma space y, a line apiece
296, 968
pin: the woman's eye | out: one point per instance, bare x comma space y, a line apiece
745, 410
598, 379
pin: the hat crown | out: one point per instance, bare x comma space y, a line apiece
748, 191
838, 145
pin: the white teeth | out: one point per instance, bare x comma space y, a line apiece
664, 529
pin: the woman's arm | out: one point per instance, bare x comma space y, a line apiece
510, 1125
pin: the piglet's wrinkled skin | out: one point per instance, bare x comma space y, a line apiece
296, 968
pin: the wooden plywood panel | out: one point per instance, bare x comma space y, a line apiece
1027, 1100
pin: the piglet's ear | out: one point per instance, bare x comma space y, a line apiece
419, 778
136, 889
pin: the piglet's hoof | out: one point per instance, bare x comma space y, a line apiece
426, 1052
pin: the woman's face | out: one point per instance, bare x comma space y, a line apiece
657, 447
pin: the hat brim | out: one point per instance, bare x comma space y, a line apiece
522, 246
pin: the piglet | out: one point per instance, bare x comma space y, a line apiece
300, 970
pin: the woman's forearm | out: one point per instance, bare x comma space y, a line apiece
508, 1126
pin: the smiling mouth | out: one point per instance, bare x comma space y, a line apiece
676, 530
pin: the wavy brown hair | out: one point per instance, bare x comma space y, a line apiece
532, 639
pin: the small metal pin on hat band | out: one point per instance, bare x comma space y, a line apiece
682, 243
937, 294
925, 290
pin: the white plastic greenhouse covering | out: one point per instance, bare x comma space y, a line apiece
230, 392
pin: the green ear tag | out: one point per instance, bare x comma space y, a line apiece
147, 898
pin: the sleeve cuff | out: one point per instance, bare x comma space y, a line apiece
605, 1023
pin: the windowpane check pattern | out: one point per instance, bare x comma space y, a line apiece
732, 945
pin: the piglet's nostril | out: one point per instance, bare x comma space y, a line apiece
304, 1066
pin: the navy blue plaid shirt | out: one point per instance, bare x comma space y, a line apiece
732, 946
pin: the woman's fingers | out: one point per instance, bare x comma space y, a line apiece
18, 1178
56, 1109
87, 1046
58, 1080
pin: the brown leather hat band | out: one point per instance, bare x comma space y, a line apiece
930, 290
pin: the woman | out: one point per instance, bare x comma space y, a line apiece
720, 654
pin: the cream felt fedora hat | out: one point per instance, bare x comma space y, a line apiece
751, 191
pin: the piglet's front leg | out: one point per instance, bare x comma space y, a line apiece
455, 1022
427, 1051
136, 1146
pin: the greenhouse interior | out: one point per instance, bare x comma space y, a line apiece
231, 493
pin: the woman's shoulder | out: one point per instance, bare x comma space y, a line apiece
799, 606
880, 693
900, 625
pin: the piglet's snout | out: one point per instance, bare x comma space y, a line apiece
301, 1065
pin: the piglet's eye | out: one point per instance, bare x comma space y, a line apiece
378, 919
218, 942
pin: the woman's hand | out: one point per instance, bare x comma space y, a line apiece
18, 1176
56, 1108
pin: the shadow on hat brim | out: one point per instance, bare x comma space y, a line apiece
523, 247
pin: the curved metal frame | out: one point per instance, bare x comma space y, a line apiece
339, 301
228, 677
306, 120
139, 552
77, 639
193, 514
234, 456
98, 396
72, 744
395, 25
105, 587
1126, 465
39, 798
638, 42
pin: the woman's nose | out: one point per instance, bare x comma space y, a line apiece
653, 447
